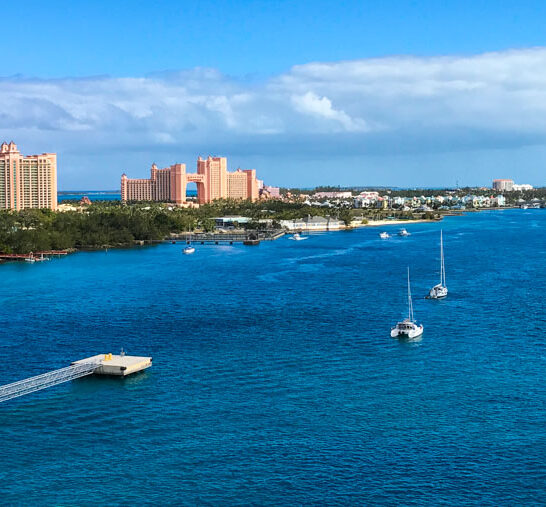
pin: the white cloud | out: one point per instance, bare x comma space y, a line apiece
373, 105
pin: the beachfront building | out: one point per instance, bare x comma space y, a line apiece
503, 185
212, 179
309, 223
333, 195
27, 181
522, 188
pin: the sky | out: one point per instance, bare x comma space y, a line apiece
392, 93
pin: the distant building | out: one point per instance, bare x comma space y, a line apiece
333, 195
27, 182
212, 178
270, 192
503, 185
317, 223
522, 187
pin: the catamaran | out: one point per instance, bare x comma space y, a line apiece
408, 328
439, 291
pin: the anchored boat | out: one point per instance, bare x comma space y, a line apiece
408, 328
439, 291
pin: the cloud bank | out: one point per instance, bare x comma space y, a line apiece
377, 107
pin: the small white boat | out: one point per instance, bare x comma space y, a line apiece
298, 237
30, 259
408, 328
439, 291
403, 232
189, 249
524, 206
384, 235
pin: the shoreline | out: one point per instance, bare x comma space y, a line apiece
374, 223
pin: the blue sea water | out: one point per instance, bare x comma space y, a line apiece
92, 195
275, 380
98, 195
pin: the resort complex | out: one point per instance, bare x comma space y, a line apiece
27, 182
212, 179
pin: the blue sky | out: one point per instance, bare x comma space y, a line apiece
365, 93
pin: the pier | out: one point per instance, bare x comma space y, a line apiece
227, 238
32, 256
102, 364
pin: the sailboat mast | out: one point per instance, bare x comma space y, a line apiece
410, 303
442, 264
441, 258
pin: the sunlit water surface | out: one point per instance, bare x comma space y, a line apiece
275, 380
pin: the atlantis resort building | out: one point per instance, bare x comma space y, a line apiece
27, 182
212, 179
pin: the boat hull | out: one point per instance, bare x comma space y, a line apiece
407, 333
437, 292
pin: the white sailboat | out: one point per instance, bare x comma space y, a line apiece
189, 249
408, 328
439, 291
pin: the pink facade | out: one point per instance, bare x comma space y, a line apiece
27, 182
212, 178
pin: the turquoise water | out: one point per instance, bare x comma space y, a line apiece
92, 195
97, 195
275, 380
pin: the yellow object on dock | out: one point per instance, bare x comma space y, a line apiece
119, 365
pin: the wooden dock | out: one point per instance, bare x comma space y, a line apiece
32, 255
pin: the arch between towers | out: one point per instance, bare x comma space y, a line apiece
199, 180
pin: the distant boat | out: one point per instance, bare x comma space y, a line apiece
298, 237
384, 235
439, 291
189, 249
408, 328
524, 206
403, 232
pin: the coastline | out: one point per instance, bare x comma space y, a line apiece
383, 223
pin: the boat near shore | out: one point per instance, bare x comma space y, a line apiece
298, 237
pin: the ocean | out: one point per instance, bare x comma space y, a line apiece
99, 195
275, 380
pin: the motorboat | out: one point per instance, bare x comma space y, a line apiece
439, 291
408, 328
298, 237
403, 232
384, 235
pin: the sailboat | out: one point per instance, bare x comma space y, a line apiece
189, 249
439, 291
408, 328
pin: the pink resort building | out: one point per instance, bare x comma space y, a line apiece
27, 182
212, 178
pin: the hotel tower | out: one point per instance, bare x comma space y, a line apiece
27, 182
212, 179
